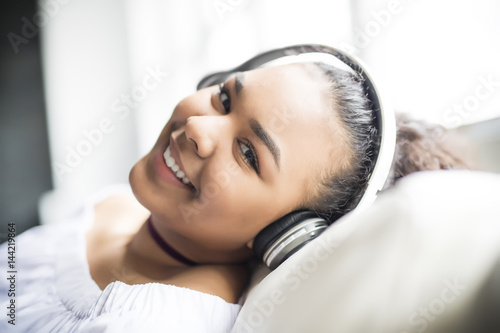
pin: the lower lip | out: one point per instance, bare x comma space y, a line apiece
165, 173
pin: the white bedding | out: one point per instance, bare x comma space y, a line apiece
419, 260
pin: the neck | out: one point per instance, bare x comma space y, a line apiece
167, 248
143, 246
145, 250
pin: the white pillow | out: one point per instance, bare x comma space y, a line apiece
414, 261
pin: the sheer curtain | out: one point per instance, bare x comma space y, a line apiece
115, 70
439, 60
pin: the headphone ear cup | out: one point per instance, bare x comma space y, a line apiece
267, 236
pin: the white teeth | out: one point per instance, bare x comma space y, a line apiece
169, 160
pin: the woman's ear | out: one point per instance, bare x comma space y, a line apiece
250, 244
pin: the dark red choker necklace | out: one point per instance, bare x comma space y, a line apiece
165, 247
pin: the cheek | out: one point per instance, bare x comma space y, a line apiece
139, 182
242, 205
226, 192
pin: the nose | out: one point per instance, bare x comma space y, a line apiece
207, 133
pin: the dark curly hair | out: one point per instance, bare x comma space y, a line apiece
424, 146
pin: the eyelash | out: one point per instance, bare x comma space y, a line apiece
226, 104
252, 160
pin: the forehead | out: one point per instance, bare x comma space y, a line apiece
297, 86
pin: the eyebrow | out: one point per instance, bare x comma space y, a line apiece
266, 138
256, 127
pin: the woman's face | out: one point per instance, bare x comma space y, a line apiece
244, 154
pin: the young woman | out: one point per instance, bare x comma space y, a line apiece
231, 160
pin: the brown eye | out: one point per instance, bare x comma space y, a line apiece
224, 98
248, 153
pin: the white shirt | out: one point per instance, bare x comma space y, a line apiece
56, 293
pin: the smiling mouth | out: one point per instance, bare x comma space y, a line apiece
172, 165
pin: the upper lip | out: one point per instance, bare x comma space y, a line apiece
174, 152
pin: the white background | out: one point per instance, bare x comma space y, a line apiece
429, 56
